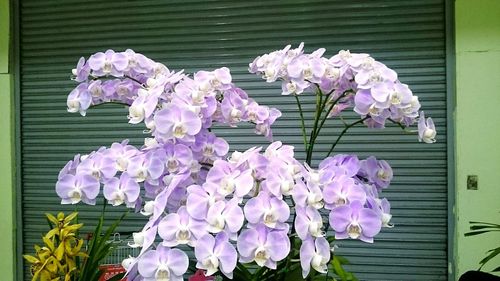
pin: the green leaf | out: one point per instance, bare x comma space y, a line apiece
472, 233
488, 223
493, 253
351, 277
330, 239
337, 268
496, 269
476, 227
99, 248
342, 260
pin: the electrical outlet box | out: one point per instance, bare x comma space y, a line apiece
472, 182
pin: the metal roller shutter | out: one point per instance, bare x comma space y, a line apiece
407, 35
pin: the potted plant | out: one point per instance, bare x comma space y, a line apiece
259, 214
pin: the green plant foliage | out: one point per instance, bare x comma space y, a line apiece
478, 228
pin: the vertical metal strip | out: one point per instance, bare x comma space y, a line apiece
450, 127
15, 8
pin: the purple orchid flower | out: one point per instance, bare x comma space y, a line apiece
233, 106
108, 63
279, 181
318, 177
225, 216
257, 163
341, 191
426, 129
178, 157
96, 90
124, 190
374, 72
256, 113
154, 187
376, 171
122, 153
173, 122
230, 180
307, 195
209, 147
75, 188
307, 67
354, 221
213, 254
138, 63
98, 165
265, 127
142, 108
383, 208
381, 93
279, 150
315, 253
308, 223
79, 100
180, 228
266, 209
219, 79
264, 246
294, 87
200, 199
366, 105
160, 201
82, 70
341, 164
177, 199
125, 91
401, 96
163, 264
70, 167
145, 166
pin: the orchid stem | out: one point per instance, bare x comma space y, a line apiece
319, 107
135, 80
304, 134
319, 111
403, 127
343, 132
326, 115
111, 102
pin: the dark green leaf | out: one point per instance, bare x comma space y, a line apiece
488, 223
472, 233
342, 260
477, 227
337, 268
99, 248
493, 253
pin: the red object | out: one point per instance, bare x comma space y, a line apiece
111, 270
199, 275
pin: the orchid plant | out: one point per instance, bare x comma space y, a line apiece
258, 214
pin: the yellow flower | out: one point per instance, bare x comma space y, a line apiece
56, 261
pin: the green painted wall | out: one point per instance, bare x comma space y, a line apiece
4, 36
477, 25
6, 150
